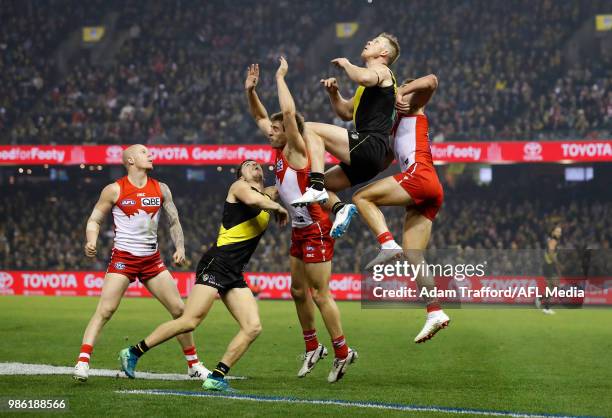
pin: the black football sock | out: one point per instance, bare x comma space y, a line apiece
221, 370
317, 181
337, 207
139, 349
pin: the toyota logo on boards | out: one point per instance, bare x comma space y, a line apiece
532, 151
6, 280
113, 154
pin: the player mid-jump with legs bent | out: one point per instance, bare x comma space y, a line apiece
417, 188
365, 151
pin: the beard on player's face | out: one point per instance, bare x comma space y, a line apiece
278, 141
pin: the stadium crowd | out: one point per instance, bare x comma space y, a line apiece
50, 234
178, 75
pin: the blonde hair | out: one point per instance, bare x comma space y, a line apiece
394, 44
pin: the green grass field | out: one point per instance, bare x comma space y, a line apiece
494, 359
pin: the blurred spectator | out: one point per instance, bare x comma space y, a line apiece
178, 77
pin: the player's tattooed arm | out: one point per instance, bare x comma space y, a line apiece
256, 108
107, 199
367, 77
176, 231
415, 94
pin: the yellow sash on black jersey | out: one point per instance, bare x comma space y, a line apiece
241, 229
249, 229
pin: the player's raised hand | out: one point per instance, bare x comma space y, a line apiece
340, 62
283, 67
179, 257
252, 77
282, 216
90, 249
402, 104
330, 84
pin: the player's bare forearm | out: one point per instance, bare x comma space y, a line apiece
287, 105
243, 192
256, 107
92, 230
423, 84
285, 100
258, 110
342, 107
104, 205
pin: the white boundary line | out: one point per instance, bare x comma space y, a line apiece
25, 369
344, 403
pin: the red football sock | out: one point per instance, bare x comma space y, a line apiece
340, 347
191, 355
311, 340
85, 353
433, 306
384, 237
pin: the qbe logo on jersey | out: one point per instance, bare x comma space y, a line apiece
150, 201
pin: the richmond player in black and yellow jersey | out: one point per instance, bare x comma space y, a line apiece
551, 268
245, 218
365, 151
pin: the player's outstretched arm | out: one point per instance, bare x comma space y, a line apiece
256, 108
107, 199
176, 230
243, 192
342, 107
287, 105
421, 89
367, 77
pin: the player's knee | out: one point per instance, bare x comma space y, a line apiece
321, 296
106, 311
358, 198
188, 324
253, 329
298, 293
177, 311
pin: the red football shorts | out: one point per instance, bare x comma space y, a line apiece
422, 184
135, 267
312, 244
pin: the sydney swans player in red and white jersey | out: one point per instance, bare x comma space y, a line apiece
136, 201
312, 247
416, 187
